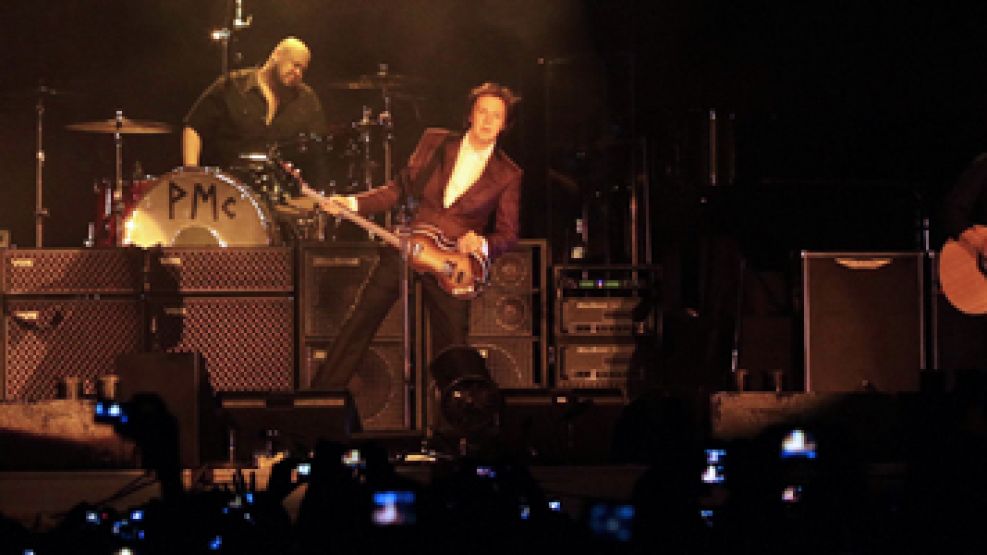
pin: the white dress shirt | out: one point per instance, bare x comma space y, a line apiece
469, 165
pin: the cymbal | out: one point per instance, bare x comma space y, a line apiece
127, 126
373, 82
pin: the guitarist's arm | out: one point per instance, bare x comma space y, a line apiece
386, 197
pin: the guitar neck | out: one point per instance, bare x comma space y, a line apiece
351, 216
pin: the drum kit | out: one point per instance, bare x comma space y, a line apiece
247, 204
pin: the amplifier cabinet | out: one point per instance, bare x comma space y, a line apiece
598, 365
221, 270
47, 340
111, 271
331, 279
514, 305
502, 312
377, 387
248, 342
606, 316
518, 269
863, 321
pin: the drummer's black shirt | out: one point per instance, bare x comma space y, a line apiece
230, 118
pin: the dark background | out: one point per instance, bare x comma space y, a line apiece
829, 97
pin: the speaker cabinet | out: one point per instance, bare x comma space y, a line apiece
72, 271
510, 306
863, 321
501, 312
509, 359
332, 278
377, 386
179, 381
247, 342
46, 340
227, 270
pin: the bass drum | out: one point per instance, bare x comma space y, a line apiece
199, 207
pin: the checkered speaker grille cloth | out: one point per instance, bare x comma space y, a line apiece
226, 270
248, 342
72, 271
47, 340
377, 387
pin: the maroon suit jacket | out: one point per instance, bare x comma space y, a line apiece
497, 190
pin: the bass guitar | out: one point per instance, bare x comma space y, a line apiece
963, 271
462, 276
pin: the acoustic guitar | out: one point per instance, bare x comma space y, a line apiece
963, 271
462, 276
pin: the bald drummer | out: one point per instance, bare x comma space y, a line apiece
252, 108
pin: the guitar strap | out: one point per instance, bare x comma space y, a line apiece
415, 192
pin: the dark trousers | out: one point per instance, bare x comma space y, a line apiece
449, 321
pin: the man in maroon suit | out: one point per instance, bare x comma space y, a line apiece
455, 183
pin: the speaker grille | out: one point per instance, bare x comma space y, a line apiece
47, 340
377, 386
513, 270
500, 312
333, 278
863, 321
219, 270
509, 360
72, 271
247, 341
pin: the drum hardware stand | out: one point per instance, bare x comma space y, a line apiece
40, 212
226, 34
118, 175
386, 121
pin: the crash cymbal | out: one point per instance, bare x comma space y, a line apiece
127, 126
377, 82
